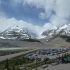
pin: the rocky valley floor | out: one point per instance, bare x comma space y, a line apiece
54, 43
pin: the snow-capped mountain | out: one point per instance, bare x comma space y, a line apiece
62, 30
14, 32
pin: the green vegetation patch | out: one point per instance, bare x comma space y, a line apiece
30, 40
67, 38
15, 62
8, 52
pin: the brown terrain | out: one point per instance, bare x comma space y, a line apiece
56, 43
51, 43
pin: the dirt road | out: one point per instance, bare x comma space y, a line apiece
2, 58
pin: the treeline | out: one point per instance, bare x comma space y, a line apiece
67, 38
30, 40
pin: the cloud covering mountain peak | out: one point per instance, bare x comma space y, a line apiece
56, 12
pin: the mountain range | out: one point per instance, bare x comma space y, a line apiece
16, 32
62, 30
22, 37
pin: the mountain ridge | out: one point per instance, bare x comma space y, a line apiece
14, 33
62, 30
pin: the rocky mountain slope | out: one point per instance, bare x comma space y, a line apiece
14, 32
62, 30
25, 37
59, 37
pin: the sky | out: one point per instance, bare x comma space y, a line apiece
36, 15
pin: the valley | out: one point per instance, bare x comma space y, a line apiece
20, 49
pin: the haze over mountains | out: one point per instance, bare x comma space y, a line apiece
62, 30
22, 37
16, 32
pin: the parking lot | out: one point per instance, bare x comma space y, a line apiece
47, 53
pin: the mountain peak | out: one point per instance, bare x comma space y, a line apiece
63, 30
15, 27
15, 32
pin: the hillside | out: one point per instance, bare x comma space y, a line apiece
67, 38
19, 43
56, 42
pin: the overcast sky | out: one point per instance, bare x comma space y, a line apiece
37, 15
